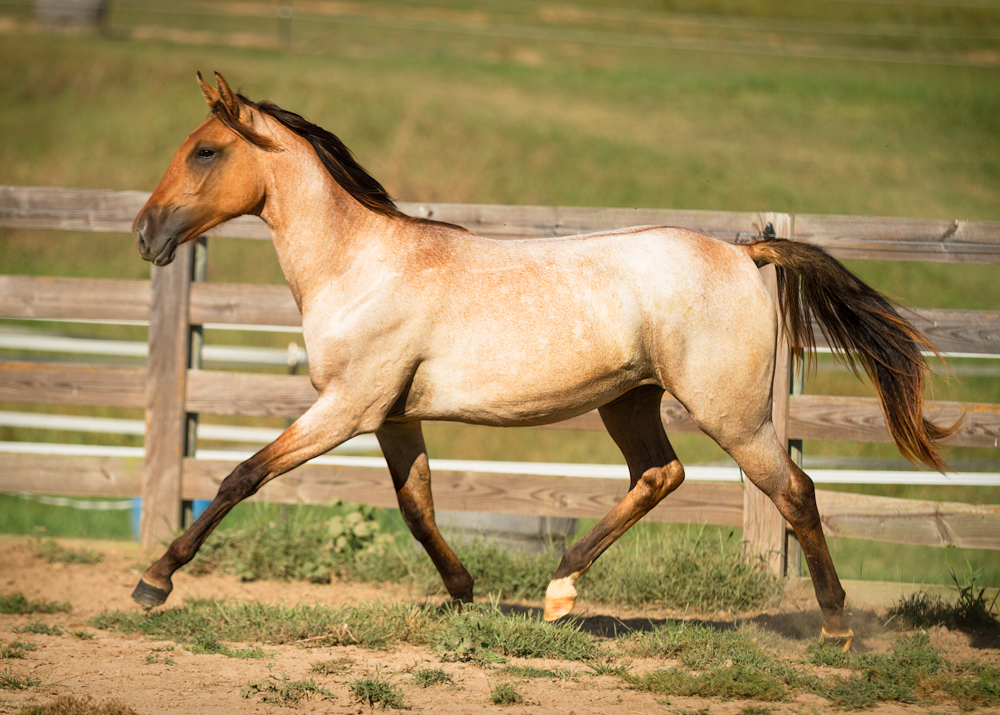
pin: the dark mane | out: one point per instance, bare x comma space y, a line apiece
336, 157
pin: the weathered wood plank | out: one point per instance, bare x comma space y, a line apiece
73, 298
243, 304
860, 419
909, 521
73, 476
844, 236
243, 393
61, 384
166, 417
693, 502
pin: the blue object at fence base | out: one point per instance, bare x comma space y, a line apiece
198, 506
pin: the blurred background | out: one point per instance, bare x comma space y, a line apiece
889, 108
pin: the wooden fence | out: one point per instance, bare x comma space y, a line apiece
173, 389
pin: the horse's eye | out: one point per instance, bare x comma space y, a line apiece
205, 153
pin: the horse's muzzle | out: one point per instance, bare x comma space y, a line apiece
157, 232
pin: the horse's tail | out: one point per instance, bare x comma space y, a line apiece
865, 331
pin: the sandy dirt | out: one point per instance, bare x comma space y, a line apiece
150, 677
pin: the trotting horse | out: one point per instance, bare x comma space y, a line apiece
400, 317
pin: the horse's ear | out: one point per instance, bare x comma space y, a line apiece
210, 92
227, 97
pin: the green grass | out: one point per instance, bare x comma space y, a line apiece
427, 677
505, 694
377, 690
9, 680
284, 691
16, 650
17, 603
70, 705
38, 628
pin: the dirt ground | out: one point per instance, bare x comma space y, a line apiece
138, 672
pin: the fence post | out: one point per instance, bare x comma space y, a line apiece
166, 419
763, 526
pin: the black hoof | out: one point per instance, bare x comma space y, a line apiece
149, 596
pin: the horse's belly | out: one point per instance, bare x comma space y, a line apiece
513, 394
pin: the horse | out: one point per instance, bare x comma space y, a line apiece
401, 321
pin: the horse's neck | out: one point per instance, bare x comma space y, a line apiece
319, 232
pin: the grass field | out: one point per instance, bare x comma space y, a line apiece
827, 107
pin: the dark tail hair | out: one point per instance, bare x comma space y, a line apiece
864, 330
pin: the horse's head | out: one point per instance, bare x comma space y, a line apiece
213, 177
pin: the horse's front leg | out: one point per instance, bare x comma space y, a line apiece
403, 446
312, 434
633, 421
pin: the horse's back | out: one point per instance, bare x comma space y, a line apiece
539, 330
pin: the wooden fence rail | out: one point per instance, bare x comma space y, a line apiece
172, 388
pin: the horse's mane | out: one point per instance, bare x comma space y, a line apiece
336, 157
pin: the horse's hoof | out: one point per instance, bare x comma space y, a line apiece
559, 598
149, 596
847, 637
556, 608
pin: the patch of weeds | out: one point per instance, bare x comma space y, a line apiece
17, 604
912, 672
284, 691
377, 626
692, 568
755, 710
83, 635
375, 690
733, 666
208, 644
39, 628
69, 705
505, 694
426, 677
599, 668
334, 666
305, 546
15, 649
53, 552
737, 682
484, 634
971, 611
9, 680
530, 671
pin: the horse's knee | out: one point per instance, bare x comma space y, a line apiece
660, 481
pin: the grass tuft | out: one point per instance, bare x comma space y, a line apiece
15, 649
426, 677
9, 680
54, 552
39, 628
69, 705
376, 690
284, 691
530, 671
17, 604
505, 694
971, 611
484, 634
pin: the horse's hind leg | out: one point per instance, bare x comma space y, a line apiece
403, 446
768, 466
633, 420
310, 436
